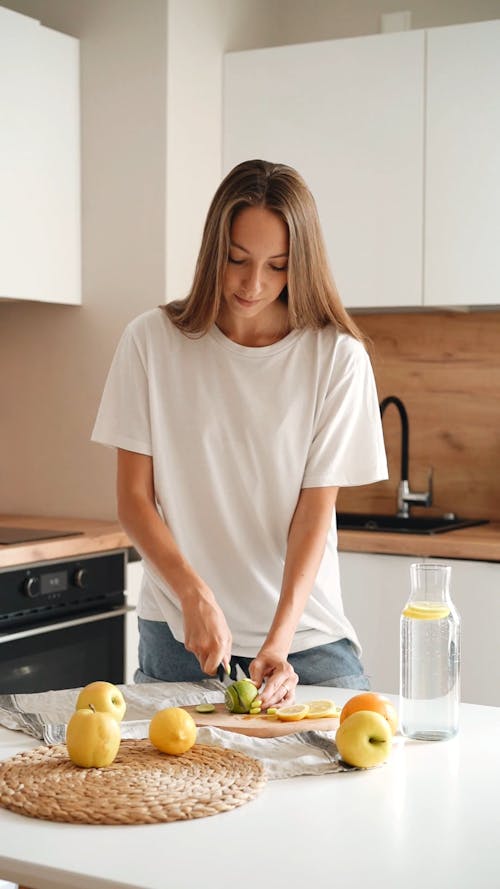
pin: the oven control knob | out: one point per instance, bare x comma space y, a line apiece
32, 586
80, 578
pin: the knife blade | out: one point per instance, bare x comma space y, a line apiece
224, 674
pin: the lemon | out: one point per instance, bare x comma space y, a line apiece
172, 730
426, 610
292, 713
318, 709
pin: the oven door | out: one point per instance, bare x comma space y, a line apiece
64, 654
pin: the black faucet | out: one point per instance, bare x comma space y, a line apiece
406, 497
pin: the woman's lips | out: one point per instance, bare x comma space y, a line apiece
245, 302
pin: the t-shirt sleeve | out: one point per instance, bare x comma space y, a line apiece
348, 444
123, 418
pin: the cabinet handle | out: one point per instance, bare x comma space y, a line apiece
65, 624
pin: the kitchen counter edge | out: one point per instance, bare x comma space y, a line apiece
480, 543
97, 536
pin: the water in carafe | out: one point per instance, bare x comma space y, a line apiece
430, 656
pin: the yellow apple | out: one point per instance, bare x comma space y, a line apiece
92, 738
364, 739
103, 696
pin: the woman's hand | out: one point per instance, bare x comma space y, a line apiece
206, 633
271, 666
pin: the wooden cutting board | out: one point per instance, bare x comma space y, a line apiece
259, 726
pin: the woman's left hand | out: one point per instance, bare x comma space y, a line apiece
279, 676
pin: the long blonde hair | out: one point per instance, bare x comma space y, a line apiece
310, 293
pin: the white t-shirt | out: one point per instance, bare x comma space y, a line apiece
235, 433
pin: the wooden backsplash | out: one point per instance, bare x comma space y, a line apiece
445, 366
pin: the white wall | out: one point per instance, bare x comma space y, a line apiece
151, 136
301, 21
199, 32
53, 359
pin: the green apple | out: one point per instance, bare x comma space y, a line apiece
103, 696
241, 695
364, 739
92, 738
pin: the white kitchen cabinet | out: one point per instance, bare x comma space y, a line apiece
475, 590
39, 162
462, 182
348, 115
134, 580
375, 589
374, 124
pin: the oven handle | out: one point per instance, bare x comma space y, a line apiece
66, 624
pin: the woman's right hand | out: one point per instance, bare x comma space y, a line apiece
206, 633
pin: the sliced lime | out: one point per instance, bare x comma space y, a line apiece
240, 696
204, 708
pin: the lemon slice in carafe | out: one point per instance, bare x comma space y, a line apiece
426, 610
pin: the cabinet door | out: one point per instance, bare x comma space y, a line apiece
375, 589
59, 146
475, 590
348, 115
462, 204
39, 162
19, 160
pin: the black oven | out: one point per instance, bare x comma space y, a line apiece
62, 623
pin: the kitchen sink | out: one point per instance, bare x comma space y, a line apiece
359, 521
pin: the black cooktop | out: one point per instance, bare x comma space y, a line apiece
25, 535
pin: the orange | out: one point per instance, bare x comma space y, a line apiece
172, 730
370, 700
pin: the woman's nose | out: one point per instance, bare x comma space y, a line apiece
253, 280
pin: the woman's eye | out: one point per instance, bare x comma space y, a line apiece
279, 268
235, 261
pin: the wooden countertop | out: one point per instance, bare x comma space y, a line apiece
98, 536
481, 542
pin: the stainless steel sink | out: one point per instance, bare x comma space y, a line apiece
354, 521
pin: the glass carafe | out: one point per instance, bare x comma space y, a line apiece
430, 656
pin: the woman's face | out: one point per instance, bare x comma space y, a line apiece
256, 269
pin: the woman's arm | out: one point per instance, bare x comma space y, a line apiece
207, 634
306, 543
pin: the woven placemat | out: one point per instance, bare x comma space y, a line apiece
142, 785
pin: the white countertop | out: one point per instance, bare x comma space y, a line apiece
430, 817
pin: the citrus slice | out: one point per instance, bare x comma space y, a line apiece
426, 610
319, 709
292, 713
204, 708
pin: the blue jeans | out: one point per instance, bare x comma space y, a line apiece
163, 658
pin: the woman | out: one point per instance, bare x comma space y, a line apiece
237, 414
